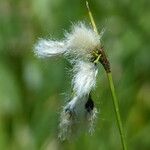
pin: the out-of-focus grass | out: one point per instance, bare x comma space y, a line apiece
30, 88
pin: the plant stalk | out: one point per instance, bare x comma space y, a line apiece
111, 84
117, 113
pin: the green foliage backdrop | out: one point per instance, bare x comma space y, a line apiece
32, 90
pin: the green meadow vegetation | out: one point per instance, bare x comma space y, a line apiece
33, 90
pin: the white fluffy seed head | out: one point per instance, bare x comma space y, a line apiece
82, 40
85, 77
77, 105
79, 43
73, 113
48, 48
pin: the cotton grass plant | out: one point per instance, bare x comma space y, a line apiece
77, 47
82, 48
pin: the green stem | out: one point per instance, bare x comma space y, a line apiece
112, 88
117, 113
91, 17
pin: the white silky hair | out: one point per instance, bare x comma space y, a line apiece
80, 42
49, 48
84, 77
83, 81
91, 117
77, 105
72, 112
65, 125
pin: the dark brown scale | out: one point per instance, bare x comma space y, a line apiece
89, 104
103, 60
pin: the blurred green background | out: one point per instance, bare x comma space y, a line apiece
32, 90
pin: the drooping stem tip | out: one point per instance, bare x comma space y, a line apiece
91, 18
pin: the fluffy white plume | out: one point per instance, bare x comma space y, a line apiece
79, 43
72, 114
48, 48
75, 110
77, 105
82, 40
85, 77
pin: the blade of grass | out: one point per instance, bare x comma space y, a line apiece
112, 88
91, 18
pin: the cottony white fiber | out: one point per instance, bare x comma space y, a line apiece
48, 48
84, 77
79, 43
